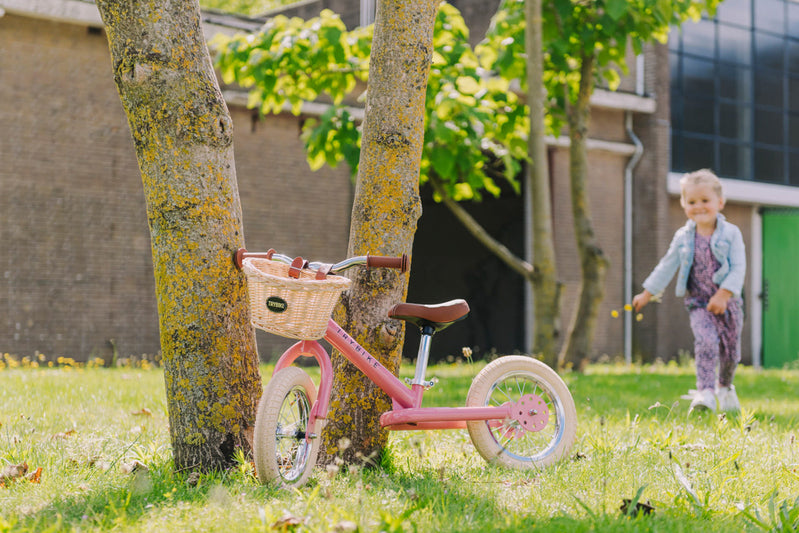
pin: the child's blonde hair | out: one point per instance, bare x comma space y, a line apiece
704, 176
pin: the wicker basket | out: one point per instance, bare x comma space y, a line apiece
295, 308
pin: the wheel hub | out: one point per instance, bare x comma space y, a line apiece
531, 413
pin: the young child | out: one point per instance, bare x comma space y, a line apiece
709, 256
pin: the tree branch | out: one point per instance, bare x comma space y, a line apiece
522, 267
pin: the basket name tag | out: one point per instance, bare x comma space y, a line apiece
276, 304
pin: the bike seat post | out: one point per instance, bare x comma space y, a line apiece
423, 355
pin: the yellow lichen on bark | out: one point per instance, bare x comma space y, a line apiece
385, 211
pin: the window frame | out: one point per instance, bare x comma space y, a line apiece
757, 83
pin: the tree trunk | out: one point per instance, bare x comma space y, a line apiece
384, 216
182, 133
593, 263
546, 288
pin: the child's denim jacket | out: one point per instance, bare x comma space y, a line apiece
728, 248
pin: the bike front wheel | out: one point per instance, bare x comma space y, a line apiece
543, 427
282, 453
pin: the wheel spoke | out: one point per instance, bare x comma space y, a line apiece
516, 441
520, 386
511, 436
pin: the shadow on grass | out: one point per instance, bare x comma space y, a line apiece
124, 503
463, 505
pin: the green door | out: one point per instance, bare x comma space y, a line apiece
780, 286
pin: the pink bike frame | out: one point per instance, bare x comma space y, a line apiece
407, 413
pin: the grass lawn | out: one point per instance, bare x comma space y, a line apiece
85, 428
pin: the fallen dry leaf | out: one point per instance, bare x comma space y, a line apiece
35, 477
345, 526
12, 472
142, 412
193, 479
133, 466
287, 523
63, 434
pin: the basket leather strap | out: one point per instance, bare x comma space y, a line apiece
323, 271
296, 267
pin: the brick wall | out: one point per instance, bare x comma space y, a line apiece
652, 233
73, 231
75, 266
606, 194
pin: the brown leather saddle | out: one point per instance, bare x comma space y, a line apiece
437, 316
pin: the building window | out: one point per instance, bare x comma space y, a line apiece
735, 92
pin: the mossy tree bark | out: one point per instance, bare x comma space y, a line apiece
182, 133
384, 216
593, 262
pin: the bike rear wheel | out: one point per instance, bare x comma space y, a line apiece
547, 404
282, 453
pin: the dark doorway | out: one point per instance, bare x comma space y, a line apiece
449, 263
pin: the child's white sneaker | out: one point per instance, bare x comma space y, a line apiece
728, 399
703, 400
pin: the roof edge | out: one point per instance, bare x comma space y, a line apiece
85, 12
72, 11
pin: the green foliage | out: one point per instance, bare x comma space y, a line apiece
781, 517
476, 128
476, 125
331, 138
474, 121
575, 31
291, 61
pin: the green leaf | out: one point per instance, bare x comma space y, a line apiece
616, 8
467, 85
442, 161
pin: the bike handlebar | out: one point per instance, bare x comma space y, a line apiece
379, 261
371, 261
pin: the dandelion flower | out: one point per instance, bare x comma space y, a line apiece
628, 307
639, 317
614, 314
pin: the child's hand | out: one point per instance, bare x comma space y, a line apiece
718, 302
641, 299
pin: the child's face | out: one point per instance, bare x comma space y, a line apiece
702, 204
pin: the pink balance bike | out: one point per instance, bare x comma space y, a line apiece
519, 412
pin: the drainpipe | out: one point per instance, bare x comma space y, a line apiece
367, 12
639, 74
529, 304
628, 211
628, 235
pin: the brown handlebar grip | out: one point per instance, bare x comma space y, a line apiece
241, 253
379, 261
239, 257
